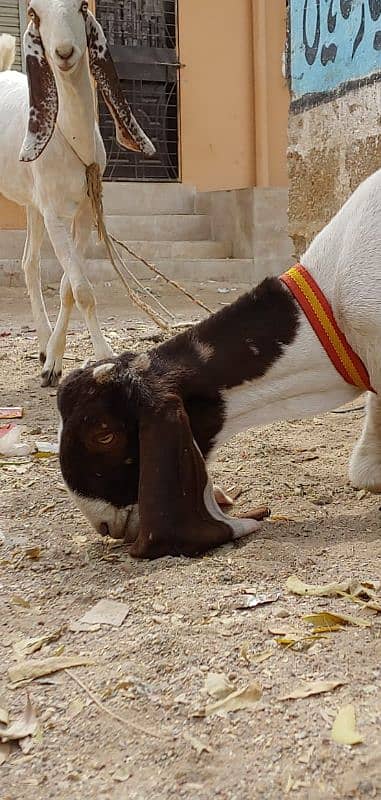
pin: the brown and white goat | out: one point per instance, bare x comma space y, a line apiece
136, 429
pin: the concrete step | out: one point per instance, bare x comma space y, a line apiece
12, 246
155, 228
148, 198
160, 227
222, 270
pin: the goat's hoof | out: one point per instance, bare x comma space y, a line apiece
50, 378
42, 358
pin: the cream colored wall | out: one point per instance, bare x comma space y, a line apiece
217, 99
12, 216
272, 97
234, 98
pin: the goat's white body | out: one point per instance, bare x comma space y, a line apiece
48, 136
345, 261
53, 189
57, 180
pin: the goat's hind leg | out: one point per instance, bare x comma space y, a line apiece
32, 271
365, 463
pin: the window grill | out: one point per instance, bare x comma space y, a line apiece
142, 35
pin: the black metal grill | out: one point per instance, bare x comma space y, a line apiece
142, 35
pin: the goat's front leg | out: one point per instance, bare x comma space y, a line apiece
77, 288
365, 463
52, 371
32, 271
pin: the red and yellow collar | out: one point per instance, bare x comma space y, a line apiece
320, 315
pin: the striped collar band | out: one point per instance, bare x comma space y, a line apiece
320, 315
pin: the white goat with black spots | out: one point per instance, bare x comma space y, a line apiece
65, 49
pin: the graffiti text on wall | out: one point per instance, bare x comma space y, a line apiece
334, 43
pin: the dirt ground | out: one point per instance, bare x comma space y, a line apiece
183, 619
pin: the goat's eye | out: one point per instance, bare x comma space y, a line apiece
84, 8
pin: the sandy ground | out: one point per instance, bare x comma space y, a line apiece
183, 619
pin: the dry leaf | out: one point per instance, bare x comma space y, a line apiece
198, 745
244, 652
5, 751
312, 688
75, 708
106, 612
82, 627
28, 646
20, 601
34, 553
28, 670
4, 716
122, 777
25, 726
217, 685
288, 637
350, 589
329, 621
236, 701
344, 727
296, 586
259, 658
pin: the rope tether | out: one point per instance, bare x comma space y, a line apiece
95, 192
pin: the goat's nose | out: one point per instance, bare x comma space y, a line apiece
65, 51
104, 529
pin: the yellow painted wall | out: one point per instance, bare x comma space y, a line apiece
217, 98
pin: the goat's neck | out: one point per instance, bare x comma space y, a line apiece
76, 114
255, 362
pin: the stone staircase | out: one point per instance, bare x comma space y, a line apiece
159, 222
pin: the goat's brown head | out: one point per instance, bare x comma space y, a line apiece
130, 460
59, 34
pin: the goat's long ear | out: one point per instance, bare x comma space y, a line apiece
128, 132
177, 510
43, 97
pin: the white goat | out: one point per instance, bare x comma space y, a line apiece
65, 48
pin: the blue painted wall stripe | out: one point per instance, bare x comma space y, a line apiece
333, 42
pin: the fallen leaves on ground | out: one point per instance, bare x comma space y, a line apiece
288, 637
365, 593
26, 647
18, 733
25, 726
218, 686
28, 670
325, 621
296, 586
344, 727
197, 744
17, 600
106, 612
312, 688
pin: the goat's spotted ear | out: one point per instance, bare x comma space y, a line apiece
43, 97
177, 509
128, 132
